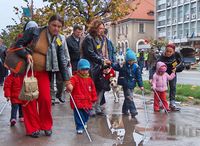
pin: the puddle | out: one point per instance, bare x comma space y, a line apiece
123, 127
164, 128
129, 132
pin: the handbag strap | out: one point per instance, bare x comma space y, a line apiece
30, 66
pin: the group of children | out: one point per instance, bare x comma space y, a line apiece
83, 90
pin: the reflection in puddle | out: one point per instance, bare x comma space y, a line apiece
124, 129
128, 132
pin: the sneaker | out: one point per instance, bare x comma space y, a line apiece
48, 132
173, 106
168, 110
53, 103
92, 113
21, 119
61, 99
100, 113
156, 111
85, 126
35, 134
12, 122
134, 114
80, 131
125, 113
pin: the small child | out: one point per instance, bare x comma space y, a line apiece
159, 85
83, 92
129, 75
173, 60
12, 88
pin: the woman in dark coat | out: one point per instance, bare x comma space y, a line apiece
95, 50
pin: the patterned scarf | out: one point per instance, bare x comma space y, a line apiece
51, 58
83, 76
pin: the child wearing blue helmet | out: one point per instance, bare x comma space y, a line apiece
129, 75
83, 91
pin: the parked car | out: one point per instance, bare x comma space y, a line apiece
188, 54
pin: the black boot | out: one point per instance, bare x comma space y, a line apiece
61, 99
48, 132
35, 134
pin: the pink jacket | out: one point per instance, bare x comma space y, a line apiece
159, 82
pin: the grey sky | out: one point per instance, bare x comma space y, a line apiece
7, 11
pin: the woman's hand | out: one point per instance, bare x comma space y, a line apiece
107, 62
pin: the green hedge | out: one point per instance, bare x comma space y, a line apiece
182, 91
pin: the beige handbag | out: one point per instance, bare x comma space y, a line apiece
29, 89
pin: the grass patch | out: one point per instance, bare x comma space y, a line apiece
188, 90
183, 92
181, 98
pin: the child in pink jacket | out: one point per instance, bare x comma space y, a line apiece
159, 85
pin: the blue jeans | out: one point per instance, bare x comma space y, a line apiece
85, 117
172, 89
128, 101
14, 108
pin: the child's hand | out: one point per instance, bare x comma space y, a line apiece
8, 98
152, 88
142, 88
150, 81
69, 87
174, 70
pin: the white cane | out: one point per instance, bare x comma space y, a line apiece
4, 106
80, 117
161, 102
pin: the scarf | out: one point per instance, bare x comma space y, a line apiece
105, 49
83, 76
51, 58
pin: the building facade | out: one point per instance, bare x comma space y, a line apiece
178, 21
134, 29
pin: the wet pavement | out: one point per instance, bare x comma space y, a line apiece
114, 129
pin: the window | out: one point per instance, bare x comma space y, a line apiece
119, 46
168, 31
126, 44
180, 14
122, 29
123, 47
141, 27
192, 29
193, 8
160, 7
126, 29
168, 16
180, 31
161, 23
174, 31
119, 30
186, 30
174, 2
198, 27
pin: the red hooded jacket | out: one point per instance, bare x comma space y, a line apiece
84, 92
12, 87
